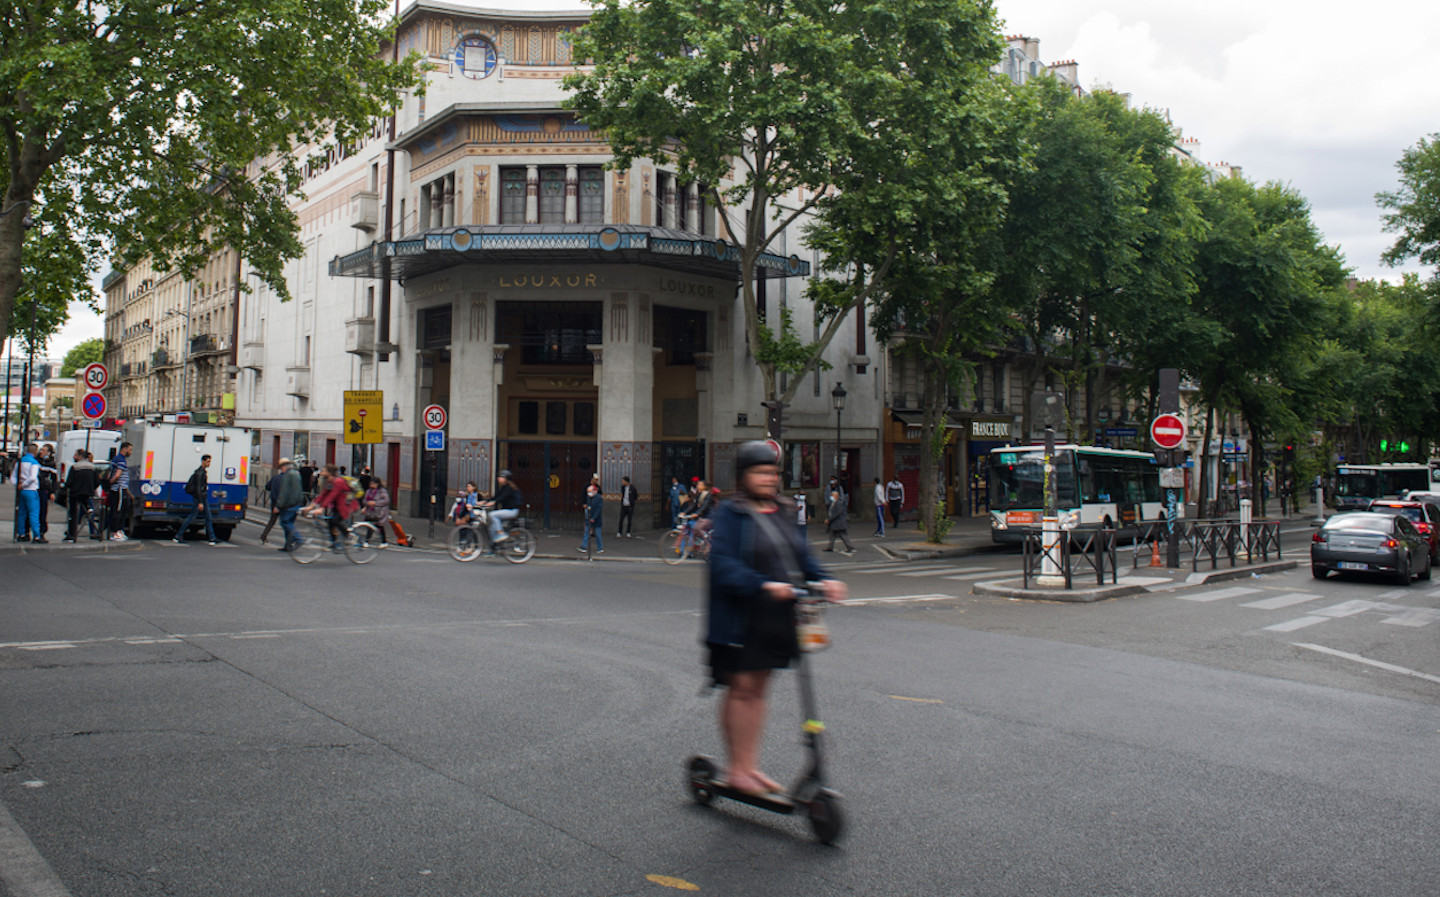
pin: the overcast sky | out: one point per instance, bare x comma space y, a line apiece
1322, 95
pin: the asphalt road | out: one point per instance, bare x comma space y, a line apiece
222, 721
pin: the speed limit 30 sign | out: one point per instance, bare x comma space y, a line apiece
434, 417
95, 376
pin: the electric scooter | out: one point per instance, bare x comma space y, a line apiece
810, 793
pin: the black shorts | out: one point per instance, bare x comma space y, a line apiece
726, 660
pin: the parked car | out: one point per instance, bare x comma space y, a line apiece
1423, 513
1370, 542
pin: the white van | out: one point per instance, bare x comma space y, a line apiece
100, 443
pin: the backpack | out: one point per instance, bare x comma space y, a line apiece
356, 493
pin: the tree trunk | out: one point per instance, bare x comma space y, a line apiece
1203, 500
936, 393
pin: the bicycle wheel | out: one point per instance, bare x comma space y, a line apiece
674, 547
360, 544
464, 543
520, 547
313, 540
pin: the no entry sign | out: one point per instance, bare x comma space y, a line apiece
1168, 431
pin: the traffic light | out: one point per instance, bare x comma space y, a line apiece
1384, 445
1289, 454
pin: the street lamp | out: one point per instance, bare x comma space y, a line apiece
837, 398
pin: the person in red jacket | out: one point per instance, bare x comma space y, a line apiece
337, 502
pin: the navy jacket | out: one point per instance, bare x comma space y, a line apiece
735, 585
594, 509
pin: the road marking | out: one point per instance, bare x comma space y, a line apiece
22, 869
1420, 616
916, 700
964, 576
942, 570
893, 598
670, 881
1297, 623
894, 568
1282, 601
1218, 594
46, 646
1142, 580
1378, 664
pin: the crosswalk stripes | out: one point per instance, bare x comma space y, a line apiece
1280, 601
1218, 594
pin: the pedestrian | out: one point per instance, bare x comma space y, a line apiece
837, 524
27, 511
677, 501
49, 484
198, 488
289, 498
79, 493
377, 507
271, 486
594, 519
802, 516
366, 477
307, 476
756, 566
120, 492
880, 505
895, 496
629, 495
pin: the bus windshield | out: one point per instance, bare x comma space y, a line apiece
1017, 480
1358, 484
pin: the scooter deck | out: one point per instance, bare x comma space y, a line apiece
775, 803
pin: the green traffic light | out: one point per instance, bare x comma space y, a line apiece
1384, 445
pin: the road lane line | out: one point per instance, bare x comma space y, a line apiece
1282, 601
1218, 594
893, 598
944, 570
978, 575
22, 869
1378, 664
896, 568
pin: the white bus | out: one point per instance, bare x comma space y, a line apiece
1357, 484
1094, 487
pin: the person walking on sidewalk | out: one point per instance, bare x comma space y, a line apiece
79, 492
270, 489
49, 484
594, 519
879, 508
629, 495
198, 488
27, 511
895, 497
120, 492
837, 524
377, 507
289, 498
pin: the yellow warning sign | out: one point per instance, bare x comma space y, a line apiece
364, 416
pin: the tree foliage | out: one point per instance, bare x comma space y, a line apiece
171, 129
92, 351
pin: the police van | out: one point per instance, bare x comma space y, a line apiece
166, 452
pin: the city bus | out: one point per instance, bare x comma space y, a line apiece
1356, 485
1094, 486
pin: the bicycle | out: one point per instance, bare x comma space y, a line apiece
469, 540
358, 544
682, 542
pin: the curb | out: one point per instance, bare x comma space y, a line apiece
1209, 576
23, 548
1014, 588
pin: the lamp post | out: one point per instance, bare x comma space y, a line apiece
837, 398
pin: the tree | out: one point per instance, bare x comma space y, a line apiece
89, 352
1415, 209
785, 99
172, 129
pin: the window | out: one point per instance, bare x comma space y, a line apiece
592, 196
435, 327
529, 418
555, 418
512, 196
553, 334
552, 196
584, 418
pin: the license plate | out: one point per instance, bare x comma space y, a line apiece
1351, 565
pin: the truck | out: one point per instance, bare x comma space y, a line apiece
165, 454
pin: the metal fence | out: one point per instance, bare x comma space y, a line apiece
1083, 550
1214, 540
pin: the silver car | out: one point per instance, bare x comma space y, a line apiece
1364, 542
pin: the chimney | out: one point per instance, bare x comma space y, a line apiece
1068, 71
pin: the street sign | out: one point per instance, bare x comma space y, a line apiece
364, 416
95, 376
775, 447
434, 440
1168, 431
93, 405
88, 424
434, 417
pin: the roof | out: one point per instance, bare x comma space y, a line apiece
659, 247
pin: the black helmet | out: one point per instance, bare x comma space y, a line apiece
755, 452
505, 474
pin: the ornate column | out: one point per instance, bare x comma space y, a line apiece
627, 387
692, 207
473, 408
532, 194
572, 191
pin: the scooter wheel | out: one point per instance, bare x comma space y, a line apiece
826, 820
700, 776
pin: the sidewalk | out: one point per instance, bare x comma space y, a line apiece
54, 537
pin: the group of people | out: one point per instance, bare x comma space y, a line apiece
37, 477
334, 496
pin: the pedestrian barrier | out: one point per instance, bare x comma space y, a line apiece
1214, 541
1083, 549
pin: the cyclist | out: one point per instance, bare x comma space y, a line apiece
504, 506
334, 498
